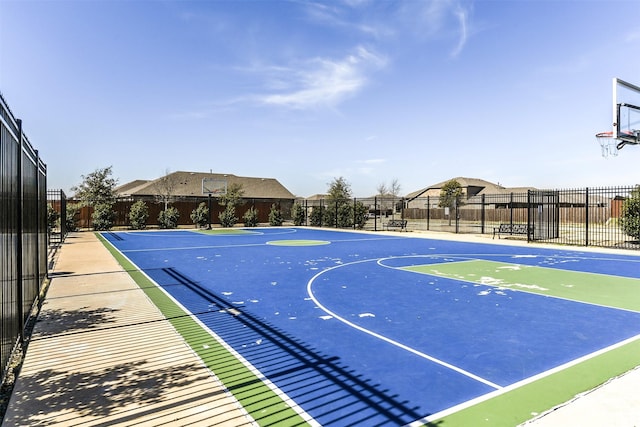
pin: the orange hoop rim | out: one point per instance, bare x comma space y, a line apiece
608, 134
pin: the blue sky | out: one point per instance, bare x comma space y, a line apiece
304, 92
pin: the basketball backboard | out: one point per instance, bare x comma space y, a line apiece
626, 112
214, 187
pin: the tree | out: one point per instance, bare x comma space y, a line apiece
275, 216
96, 188
138, 215
389, 192
168, 218
630, 215
338, 211
73, 211
53, 217
230, 200
233, 196
200, 215
360, 215
315, 219
165, 187
298, 214
228, 216
450, 195
103, 216
250, 217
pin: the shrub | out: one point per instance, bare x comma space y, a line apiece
103, 216
298, 214
275, 216
138, 215
168, 218
630, 218
200, 215
315, 219
228, 216
71, 223
250, 217
52, 217
360, 215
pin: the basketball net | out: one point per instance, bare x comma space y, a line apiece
608, 144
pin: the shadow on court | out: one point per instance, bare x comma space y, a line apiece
333, 394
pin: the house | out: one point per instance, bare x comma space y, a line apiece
186, 185
471, 187
184, 191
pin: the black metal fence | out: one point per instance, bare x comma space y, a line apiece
23, 231
582, 217
56, 217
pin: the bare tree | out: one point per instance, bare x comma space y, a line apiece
382, 189
395, 188
388, 195
165, 187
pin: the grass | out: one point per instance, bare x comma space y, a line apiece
260, 401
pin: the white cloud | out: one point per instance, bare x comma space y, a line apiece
322, 81
462, 16
372, 161
437, 19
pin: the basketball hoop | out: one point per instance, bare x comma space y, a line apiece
608, 144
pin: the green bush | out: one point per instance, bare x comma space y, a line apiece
250, 217
103, 216
630, 218
360, 216
275, 216
138, 215
52, 217
315, 219
168, 218
73, 211
298, 214
200, 215
228, 216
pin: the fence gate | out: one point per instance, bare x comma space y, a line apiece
544, 214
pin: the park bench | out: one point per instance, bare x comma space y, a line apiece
396, 223
511, 229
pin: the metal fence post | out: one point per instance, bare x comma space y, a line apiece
482, 214
19, 232
428, 212
529, 219
354, 212
375, 213
586, 217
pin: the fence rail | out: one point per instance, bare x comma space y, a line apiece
582, 217
23, 231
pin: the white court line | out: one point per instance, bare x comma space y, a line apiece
191, 248
255, 371
519, 384
386, 339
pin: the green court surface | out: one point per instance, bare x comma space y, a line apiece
600, 289
298, 242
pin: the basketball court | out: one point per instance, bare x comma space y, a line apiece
346, 328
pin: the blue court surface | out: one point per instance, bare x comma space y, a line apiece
379, 329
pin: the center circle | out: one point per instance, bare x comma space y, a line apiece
298, 242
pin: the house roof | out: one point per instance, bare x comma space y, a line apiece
126, 188
189, 184
486, 187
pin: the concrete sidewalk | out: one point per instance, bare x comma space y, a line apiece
102, 354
